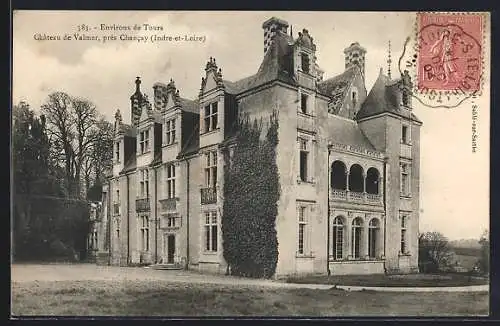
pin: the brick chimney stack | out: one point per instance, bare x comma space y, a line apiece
271, 27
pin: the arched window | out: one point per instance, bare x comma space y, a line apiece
372, 181
357, 228
373, 234
338, 175
338, 238
356, 180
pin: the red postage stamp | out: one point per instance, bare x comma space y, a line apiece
450, 52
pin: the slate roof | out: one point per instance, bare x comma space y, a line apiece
345, 131
276, 65
130, 164
338, 83
383, 97
128, 130
156, 159
192, 144
189, 105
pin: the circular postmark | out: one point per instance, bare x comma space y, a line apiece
445, 57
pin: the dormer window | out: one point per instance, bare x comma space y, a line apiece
210, 118
304, 61
303, 103
144, 141
170, 132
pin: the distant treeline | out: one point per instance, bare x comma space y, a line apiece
466, 251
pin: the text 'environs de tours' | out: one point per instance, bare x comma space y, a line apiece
142, 33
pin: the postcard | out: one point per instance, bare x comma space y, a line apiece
250, 163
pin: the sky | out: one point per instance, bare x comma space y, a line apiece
454, 181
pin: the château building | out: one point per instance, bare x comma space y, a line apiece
348, 161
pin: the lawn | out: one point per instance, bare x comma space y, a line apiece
160, 298
408, 280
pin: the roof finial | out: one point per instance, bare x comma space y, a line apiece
389, 61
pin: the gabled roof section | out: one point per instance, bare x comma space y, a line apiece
346, 131
336, 88
276, 65
383, 97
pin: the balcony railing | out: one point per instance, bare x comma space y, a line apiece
405, 150
169, 204
356, 197
208, 196
305, 122
142, 205
116, 208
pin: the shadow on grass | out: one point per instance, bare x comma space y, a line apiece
410, 280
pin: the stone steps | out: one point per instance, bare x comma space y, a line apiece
166, 266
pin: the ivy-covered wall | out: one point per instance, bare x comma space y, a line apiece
251, 194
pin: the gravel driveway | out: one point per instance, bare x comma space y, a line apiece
91, 272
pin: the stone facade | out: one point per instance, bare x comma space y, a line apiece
348, 164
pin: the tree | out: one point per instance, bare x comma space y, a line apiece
32, 174
434, 252
79, 138
484, 259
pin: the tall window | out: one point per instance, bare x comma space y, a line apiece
338, 238
404, 239
117, 151
144, 232
404, 134
304, 60
170, 132
144, 141
170, 181
303, 103
211, 169
171, 222
304, 153
372, 181
211, 231
144, 183
302, 229
373, 234
116, 208
405, 179
354, 98
356, 238
210, 117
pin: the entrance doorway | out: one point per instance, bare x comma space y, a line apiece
170, 248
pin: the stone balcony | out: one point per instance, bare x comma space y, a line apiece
208, 196
169, 204
305, 122
142, 205
355, 197
405, 150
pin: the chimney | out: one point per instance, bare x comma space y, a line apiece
355, 56
271, 27
137, 84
